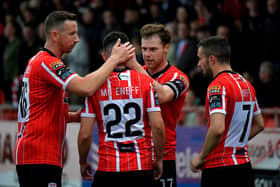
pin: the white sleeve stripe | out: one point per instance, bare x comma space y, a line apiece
257, 112
64, 84
138, 155
224, 99
258, 108
68, 80
152, 97
174, 88
174, 76
218, 111
86, 105
157, 109
117, 157
88, 115
52, 74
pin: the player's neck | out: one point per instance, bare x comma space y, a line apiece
159, 68
53, 49
220, 68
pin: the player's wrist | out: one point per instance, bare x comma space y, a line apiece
202, 157
114, 60
83, 162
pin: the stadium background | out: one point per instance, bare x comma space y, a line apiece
251, 26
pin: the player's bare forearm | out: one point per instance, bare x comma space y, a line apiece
165, 93
88, 85
84, 138
257, 126
83, 146
158, 131
214, 134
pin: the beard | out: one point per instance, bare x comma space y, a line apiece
207, 71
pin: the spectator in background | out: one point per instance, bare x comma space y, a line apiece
223, 31
190, 118
155, 14
266, 86
252, 24
195, 75
172, 29
182, 15
238, 51
168, 8
31, 45
11, 55
185, 49
78, 61
131, 22
194, 25
110, 23
202, 32
271, 33
40, 32
92, 28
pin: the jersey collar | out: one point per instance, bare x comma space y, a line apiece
225, 71
48, 51
159, 73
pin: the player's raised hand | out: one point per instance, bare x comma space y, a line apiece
122, 52
86, 171
132, 63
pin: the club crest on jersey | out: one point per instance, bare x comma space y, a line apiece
182, 78
52, 184
56, 64
215, 89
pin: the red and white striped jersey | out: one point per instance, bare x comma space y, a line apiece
121, 107
232, 95
170, 111
43, 111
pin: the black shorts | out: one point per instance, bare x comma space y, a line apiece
42, 175
168, 178
123, 179
229, 176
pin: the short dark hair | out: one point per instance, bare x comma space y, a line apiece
218, 47
56, 18
110, 40
150, 30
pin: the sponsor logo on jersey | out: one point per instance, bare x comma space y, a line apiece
124, 148
156, 98
215, 89
215, 101
56, 64
63, 72
52, 184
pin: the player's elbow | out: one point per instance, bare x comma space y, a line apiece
87, 91
219, 131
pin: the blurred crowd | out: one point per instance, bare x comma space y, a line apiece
251, 26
